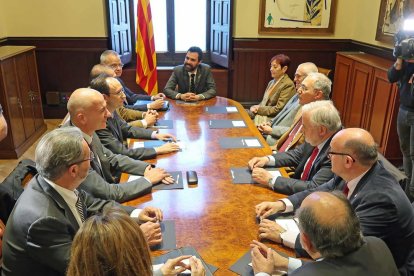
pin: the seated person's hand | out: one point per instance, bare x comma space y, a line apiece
258, 162
155, 175
262, 262
175, 266
159, 96
195, 98
157, 104
254, 108
188, 97
265, 129
2, 228
165, 136
265, 209
261, 176
168, 180
152, 232
149, 213
196, 266
279, 262
150, 118
270, 230
167, 148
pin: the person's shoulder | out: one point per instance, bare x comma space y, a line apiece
205, 66
179, 68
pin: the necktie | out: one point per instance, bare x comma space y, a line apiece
192, 84
308, 165
346, 189
292, 135
79, 206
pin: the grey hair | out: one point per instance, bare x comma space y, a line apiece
308, 67
332, 239
366, 154
323, 113
322, 83
106, 54
57, 150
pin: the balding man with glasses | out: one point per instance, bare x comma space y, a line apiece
382, 207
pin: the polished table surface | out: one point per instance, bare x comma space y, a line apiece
216, 217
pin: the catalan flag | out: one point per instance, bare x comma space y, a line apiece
145, 49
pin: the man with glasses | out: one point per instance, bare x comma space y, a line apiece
275, 128
111, 58
320, 121
330, 233
117, 130
192, 81
45, 219
382, 207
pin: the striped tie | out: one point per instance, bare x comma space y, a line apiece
79, 206
192, 84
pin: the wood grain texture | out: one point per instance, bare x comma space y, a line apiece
216, 216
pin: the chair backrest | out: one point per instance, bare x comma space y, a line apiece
325, 71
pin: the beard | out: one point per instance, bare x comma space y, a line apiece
189, 67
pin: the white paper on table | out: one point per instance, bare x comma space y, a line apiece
231, 109
288, 225
134, 177
156, 267
181, 144
238, 123
275, 173
276, 273
252, 142
138, 145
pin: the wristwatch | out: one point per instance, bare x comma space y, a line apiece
270, 182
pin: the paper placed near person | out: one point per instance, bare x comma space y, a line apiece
231, 109
252, 142
138, 145
288, 225
275, 173
238, 123
134, 177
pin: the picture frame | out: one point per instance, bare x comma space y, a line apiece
392, 14
297, 16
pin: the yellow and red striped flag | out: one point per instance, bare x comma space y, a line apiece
145, 49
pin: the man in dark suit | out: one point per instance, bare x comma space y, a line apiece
382, 207
191, 81
330, 233
111, 58
320, 122
87, 109
48, 214
114, 136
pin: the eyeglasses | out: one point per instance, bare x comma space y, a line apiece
114, 66
330, 153
91, 157
119, 93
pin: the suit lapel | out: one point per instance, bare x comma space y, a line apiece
56, 197
361, 184
112, 124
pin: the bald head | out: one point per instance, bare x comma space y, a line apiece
303, 70
98, 69
330, 224
82, 99
359, 143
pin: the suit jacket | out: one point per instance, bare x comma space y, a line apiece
132, 116
278, 97
383, 209
132, 97
179, 82
299, 138
41, 228
372, 258
320, 171
116, 132
283, 120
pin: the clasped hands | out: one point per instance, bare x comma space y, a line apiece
264, 259
259, 175
190, 97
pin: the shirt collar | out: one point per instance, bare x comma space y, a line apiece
87, 138
354, 182
194, 72
69, 196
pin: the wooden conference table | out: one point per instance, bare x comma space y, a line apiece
216, 217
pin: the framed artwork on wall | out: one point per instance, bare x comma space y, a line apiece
391, 16
297, 16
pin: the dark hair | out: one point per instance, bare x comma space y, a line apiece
282, 59
332, 237
195, 49
99, 84
111, 243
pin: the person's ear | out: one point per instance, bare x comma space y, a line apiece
284, 69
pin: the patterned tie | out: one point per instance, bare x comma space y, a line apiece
192, 84
292, 135
79, 206
308, 165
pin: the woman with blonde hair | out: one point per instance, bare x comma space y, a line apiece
112, 244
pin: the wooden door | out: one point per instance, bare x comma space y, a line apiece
220, 32
357, 98
14, 106
340, 89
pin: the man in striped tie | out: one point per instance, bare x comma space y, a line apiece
49, 212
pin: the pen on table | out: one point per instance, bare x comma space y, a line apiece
178, 178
